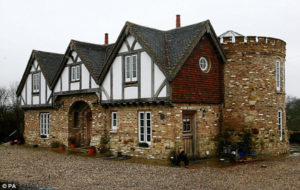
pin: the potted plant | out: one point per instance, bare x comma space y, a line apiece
72, 140
12, 142
92, 150
62, 147
20, 140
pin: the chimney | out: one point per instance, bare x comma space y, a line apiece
177, 21
106, 39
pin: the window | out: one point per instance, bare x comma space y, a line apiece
145, 128
204, 64
186, 125
44, 125
278, 75
131, 68
114, 121
36, 82
75, 73
280, 123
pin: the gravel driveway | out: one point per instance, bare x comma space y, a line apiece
50, 169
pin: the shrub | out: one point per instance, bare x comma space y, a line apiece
234, 135
103, 147
55, 144
172, 156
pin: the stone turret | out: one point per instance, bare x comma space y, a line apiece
251, 92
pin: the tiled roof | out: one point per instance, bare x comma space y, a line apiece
169, 49
49, 63
93, 55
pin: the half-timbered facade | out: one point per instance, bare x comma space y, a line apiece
35, 87
150, 91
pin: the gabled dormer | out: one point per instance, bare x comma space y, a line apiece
34, 89
80, 68
132, 74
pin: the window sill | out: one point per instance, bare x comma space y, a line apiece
113, 131
131, 83
75, 81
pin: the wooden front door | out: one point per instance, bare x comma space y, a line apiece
187, 134
86, 128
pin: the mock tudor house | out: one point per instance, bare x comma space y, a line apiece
166, 89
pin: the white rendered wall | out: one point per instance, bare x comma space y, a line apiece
29, 92
57, 86
137, 46
39, 98
117, 78
75, 86
145, 75
159, 77
131, 93
43, 89
65, 79
85, 77
106, 84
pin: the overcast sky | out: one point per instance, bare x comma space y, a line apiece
49, 25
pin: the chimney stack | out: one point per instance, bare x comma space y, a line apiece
106, 39
177, 21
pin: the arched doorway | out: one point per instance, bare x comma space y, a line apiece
80, 123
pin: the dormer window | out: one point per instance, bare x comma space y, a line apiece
131, 68
75, 73
36, 82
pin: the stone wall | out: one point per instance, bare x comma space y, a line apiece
59, 120
250, 89
166, 132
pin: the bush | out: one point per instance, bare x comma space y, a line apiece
103, 147
55, 144
172, 156
234, 135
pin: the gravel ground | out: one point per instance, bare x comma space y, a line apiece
50, 169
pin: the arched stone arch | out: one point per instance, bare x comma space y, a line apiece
80, 122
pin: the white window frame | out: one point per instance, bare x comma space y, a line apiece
129, 68
278, 75
75, 73
114, 127
279, 116
36, 82
206, 68
143, 124
44, 124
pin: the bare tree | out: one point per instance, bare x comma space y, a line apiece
3, 97
12, 96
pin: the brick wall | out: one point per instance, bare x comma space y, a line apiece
191, 85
